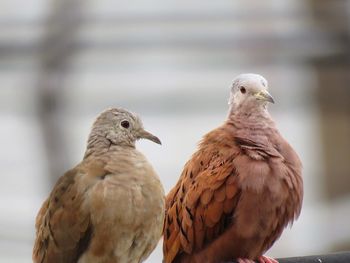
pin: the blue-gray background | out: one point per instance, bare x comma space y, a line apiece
172, 62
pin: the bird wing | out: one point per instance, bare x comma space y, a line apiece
63, 228
200, 206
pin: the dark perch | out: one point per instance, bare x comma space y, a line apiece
342, 257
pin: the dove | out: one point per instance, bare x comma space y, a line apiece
108, 208
239, 190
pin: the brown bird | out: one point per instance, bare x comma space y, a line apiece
239, 190
110, 207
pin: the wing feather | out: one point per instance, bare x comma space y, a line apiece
63, 227
202, 202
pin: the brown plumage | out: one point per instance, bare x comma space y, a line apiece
240, 188
110, 207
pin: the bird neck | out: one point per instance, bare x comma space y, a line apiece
99, 144
257, 119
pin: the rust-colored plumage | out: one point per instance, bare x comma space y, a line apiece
96, 211
240, 188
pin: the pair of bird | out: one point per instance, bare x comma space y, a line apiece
235, 196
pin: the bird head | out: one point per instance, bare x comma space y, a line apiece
121, 127
251, 91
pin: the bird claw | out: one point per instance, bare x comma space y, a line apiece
265, 259
244, 260
262, 259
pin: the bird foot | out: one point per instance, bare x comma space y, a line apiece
262, 259
245, 260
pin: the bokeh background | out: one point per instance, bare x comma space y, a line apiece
172, 62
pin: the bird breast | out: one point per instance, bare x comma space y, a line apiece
129, 194
127, 211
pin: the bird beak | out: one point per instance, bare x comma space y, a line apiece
149, 136
265, 96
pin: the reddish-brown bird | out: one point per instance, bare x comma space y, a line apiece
239, 190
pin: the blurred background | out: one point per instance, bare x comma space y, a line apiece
172, 62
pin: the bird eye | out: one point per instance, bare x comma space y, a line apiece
242, 89
125, 124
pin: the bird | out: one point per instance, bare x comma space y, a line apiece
240, 188
110, 207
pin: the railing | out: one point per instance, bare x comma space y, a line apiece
342, 257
